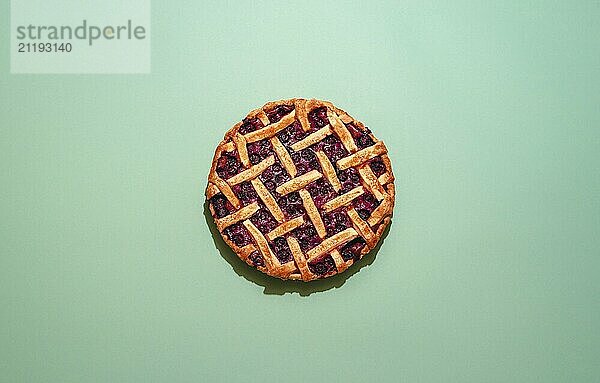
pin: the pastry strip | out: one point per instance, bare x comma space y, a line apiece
263, 246
343, 199
228, 147
342, 132
298, 183
286, 269
299, 258
246, 251
362, 156
312, 138
302, 114
240, 144
313, 213
240, 215
271, 130
268, 199
340, 264
284, 156
285, 228
331, 243
329, 171
362, 227
372, 182
251, 173
383, 209
385, 178
227, 192
262, 116
211, 190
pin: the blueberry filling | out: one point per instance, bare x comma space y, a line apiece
321, 192
364, 141
228, 165
333, 148
258, 151
361, 137
281, 250
245, 192
221, 206
274, 176
238, 234
365, 204
324, 266
292, 134
256, 259
336, 221
349, 179
263, 220
291, 204
250, 125
352, 249
278, 112
305, 161
307, 236
377, 166
318, 118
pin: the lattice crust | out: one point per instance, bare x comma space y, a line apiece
301, 190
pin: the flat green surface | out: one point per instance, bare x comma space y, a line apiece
108, 270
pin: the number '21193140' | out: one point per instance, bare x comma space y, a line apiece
44, 47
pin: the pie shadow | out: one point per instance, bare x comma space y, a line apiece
276, 286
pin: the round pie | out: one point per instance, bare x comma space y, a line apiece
300, 190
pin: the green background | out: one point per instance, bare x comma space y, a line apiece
489, 273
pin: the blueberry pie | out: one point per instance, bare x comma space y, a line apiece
300, 190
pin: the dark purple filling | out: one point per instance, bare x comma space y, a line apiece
291, 204
349, 178
274, 176
361, 137
321, 191
377, 166
258, 151
238, 234
318, 118
323, 266
278, 112
263, 220
282, 250
336, 221
256, 259
221, 205
305, 161
365, 204
352, 249
250, 125
228, 165
292, 134
245, 192
307, 236
333, 148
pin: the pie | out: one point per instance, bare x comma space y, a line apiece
300, 190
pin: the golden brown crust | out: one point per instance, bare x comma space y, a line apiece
380, 186
268, 199
313, 213
285, 228
331, 243
362, 156
343, 199
328, 170
312, 139
298, 183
